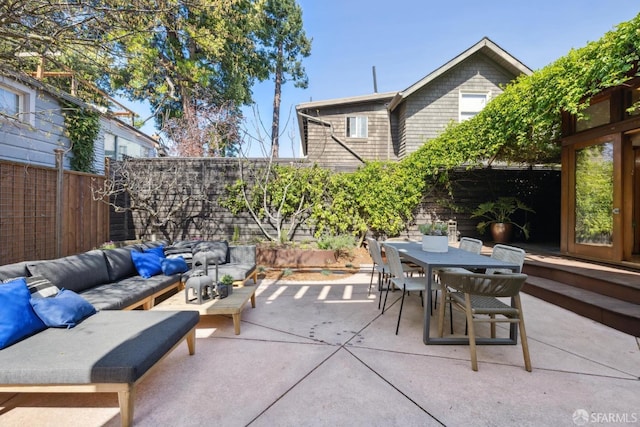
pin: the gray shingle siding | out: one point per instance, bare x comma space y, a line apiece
419, 113
434, 106
326, 151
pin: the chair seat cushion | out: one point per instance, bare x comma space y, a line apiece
481, 304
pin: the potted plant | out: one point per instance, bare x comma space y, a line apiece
497, 216
434, 236
225, 286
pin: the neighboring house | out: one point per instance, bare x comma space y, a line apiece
343, 133
32, 126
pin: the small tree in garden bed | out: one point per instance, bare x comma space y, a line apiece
160, 198
278, 198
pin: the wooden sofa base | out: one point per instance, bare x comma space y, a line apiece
148, 302
125, 391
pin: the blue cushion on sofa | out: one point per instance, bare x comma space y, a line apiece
174, 265
158, 250
65, 310
147, 263
17, 318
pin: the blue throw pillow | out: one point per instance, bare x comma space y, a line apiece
17, 318
65, 310
174, 265
147, 263
158, 250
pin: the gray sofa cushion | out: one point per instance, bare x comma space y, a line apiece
119, 263
216, 251
74, 272
109, 347
126, 292
11, 271
118, 295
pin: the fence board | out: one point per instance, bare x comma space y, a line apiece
28, 213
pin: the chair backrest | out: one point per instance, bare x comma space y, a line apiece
509, 254
495, 285
470, 245
394, 262
374, 251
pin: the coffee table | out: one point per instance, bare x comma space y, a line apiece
233, 304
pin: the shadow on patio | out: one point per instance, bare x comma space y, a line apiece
321, 353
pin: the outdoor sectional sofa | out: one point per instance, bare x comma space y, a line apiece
110, 351
113, 349
238, 261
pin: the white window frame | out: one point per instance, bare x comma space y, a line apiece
26, 101
467, 110
361, 127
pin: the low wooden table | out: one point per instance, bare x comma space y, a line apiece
233, 304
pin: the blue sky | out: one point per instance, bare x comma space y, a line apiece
407, 39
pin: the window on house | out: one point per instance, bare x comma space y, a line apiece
635, 98
17, 101
357, 127
596, 114
471, 104
10, 103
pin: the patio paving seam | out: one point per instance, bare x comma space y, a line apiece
394, 387
298, 382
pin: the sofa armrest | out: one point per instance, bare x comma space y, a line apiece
242, 254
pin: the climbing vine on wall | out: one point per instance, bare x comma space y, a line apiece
82, 128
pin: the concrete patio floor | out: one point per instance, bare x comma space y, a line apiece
322, 354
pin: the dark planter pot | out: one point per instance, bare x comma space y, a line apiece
223, 290
501, 232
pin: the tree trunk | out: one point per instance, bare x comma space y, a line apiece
275, 126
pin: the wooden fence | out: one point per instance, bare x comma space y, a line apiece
48, 213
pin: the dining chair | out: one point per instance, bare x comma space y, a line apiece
400, 280
468, 244
477, 295
509, 254
380, 266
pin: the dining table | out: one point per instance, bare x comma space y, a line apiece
453, 257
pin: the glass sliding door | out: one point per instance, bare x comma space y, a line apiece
595, 214
594, 182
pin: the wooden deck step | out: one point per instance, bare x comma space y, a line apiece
616, 313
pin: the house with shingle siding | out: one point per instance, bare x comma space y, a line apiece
346, 132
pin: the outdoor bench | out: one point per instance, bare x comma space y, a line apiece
111, 351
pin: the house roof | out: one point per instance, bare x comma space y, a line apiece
484, 46
344, 101
62, 95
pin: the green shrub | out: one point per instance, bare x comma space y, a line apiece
340, 242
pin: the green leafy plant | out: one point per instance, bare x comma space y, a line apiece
434, 229
501, 211
82, 127
343, 241
227, 280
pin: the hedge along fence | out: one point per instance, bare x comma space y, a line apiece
201, 184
